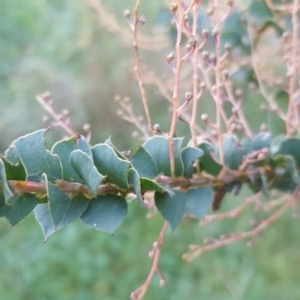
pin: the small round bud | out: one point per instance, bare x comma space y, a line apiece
162, 282
117, 98
155, 244
234, 110
126, 99
229, 2
65, 112
210, 11
119, 112
192, 41
225, 74
205, 32
238, 92
205, 55
86, 127
151, 254
204, 117
170, 57
142, 20
45, 119
214, 32
213, 89
135, 134
185, 18
202, 85
126, 13
273, 107
173, 7
212, 57
188, 96
263, 128
227, 47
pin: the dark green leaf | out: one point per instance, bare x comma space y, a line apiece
208, 164
109, 164
148, 184
105, 213
84, 166
36, 159
14, 171
158, 147
134, 179
171, 207
64, 149
21, 209
144, 163
189, 155
199, 201
59, 202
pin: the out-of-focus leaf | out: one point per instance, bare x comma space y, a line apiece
189, 155
199, 201
208, 164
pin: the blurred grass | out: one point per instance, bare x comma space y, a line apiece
79, 263
59, 46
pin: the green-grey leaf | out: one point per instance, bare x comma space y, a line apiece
144, 163
148, 184
64, 149
208, 164
233, 152
289, 146
75, 210
158, 147
199, 201
109, 164
85, 168
17, 212
78, 205
8, 194
171, 207
59, 202
110, 143
261, 140
42, 215
134, 180
105, 213
189, 155
36, 159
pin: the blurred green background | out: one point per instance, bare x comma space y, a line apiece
59, 46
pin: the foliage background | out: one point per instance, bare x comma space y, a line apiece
59, 46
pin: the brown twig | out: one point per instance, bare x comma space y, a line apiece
140, 292
137, 67
45, 101
292, 115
